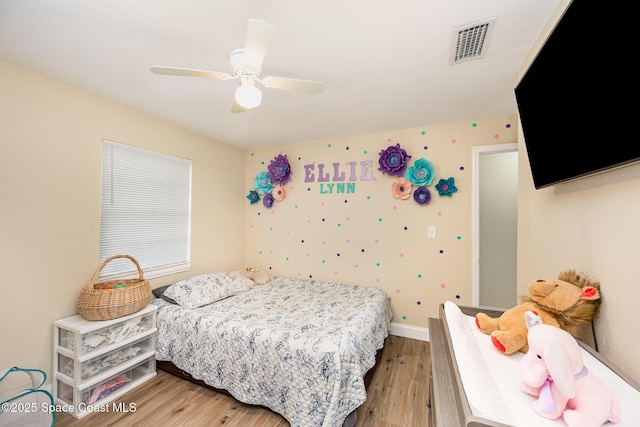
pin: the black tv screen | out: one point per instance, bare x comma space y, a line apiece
573, 99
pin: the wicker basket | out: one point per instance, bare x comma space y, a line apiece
113, 298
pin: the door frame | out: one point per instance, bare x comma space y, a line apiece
475, 211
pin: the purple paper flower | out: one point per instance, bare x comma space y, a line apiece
422, 195
262, 183
421, 173
446, 187
393, 160
253, 196
267, 200
280, 170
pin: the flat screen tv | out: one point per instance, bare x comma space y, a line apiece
573, 101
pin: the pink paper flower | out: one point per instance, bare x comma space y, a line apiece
279, 193
401, 188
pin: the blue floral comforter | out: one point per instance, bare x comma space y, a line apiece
300, 347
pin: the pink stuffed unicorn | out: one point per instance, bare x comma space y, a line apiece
553, 370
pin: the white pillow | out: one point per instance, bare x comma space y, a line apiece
205, 289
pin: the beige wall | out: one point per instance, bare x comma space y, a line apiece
590, 225
367, 236
50, 148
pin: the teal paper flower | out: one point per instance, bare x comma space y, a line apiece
253, 197
446, 187
262, 183
421, 173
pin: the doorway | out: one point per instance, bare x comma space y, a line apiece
495, 214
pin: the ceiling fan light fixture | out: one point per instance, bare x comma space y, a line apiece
248, 95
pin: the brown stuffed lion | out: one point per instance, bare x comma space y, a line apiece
567, 302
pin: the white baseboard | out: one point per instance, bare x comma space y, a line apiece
408, 331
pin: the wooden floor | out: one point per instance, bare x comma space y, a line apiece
397, 397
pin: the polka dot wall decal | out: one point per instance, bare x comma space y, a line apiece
348, 241
401, 254
418, 302
419, 276
377, 264
459, 237
397, 291
328, 145
362, 250
439, 214
404, 317
461, 168
508, 125
442, 285
347, 148
474, 125
365, 152
355, 265
496, 136
324, 261
425, 148
458, 297
379, 219
453, 141
423, 133
405, 228
441, 251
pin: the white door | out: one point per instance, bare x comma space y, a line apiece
495, 204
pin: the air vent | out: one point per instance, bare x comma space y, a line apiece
470, 42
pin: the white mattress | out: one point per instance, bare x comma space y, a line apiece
491, 379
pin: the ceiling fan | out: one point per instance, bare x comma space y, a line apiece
246, 66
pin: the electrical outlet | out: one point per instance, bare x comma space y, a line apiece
431, 232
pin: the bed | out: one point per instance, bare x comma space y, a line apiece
473, 384
299, 347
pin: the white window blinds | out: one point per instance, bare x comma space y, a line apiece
145, 211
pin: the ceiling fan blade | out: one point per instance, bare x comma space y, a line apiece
256, 42
172, 71
237, 108
294, 85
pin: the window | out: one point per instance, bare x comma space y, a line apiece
145, 211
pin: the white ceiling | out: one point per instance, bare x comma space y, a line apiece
385, 64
